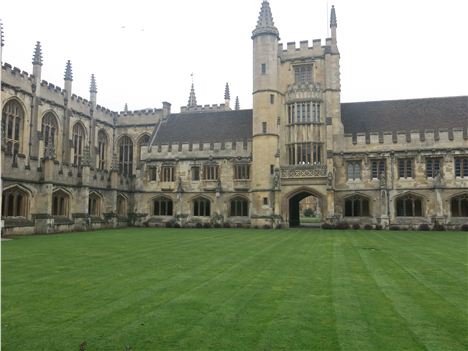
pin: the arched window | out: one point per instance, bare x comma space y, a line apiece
201, 207
239, 207
126, 156
356, 206
94, 205
60, 203
459, 206
409, 206
162, 206
14, 203
121, 205
49, 129
12, 123
144, 141
102, 149
78, 143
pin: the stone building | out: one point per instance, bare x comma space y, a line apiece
71, 164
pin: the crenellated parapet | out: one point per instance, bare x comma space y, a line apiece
404, 140
304, 50
17, 79
239, 148
204, 108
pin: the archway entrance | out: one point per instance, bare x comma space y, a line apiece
305, 208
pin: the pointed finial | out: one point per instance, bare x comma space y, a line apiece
37, 57
2, 41
237, 103
227, 94
126, 107
265, 24
333, 23
68, 71
192, 102
93, 87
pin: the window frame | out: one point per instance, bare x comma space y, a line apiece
163, 206
356, 166
239, 207
201, 207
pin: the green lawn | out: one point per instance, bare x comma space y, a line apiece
227, 289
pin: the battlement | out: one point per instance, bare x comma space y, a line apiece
403, 140
15, 71
203, 108
139, 113
293, 51
176, 149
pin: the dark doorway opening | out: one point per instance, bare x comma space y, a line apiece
304, 209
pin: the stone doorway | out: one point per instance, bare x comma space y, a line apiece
305, 209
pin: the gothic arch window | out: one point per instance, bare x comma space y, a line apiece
162, 206
239, 207
126, 156
409, 206
15, 202
78, 137
12, 125
60, 203
201, 207
121, 205
49, 129
357, 206
143, 141
102, 149
94, 205
459, 206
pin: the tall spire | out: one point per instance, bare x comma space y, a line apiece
237, 103
93, 87
37, 56
2, 41
227, 94
265, 24
333, 23
192, 102
68, 71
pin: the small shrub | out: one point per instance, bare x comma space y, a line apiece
207, 225
176, 225
424, 227
342, 226
226, 225
279, 226
328, 226
217, 225
394, 227
356, 226
368, 227
199, 225
464, 227
308, 212
378, 227
266, 226
169, 224
438, 227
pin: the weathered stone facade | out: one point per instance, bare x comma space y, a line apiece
70, 164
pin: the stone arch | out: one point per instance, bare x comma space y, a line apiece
16, 201
61, 202
162, 205
13, 121
122, 205
290, 203
459, 204
125, 154
143, 140
79, 141
357, 205
409, 204
201, 206
238, 206
95, 204
102, 149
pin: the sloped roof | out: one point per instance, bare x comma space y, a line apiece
206, 127
405, 115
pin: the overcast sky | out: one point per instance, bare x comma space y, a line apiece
143, 52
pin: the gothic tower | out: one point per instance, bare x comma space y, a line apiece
266, 106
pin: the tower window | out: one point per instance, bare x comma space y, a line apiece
433, 167
354, 170
272, 99
303, 74
264, 127
196, 173
265, 201
264, 67
167, 174
461, 167
405, 168
378, 167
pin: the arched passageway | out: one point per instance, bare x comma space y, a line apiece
305, 207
